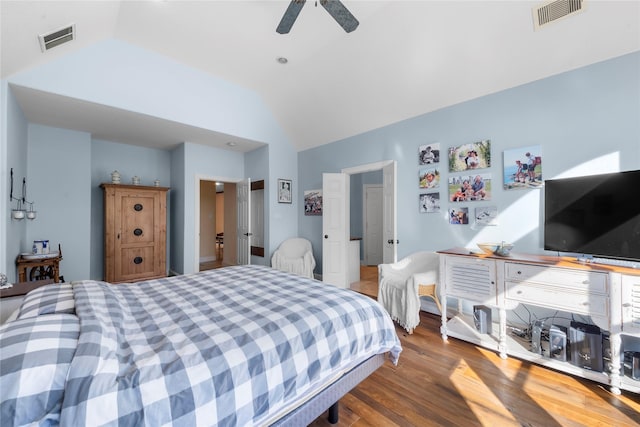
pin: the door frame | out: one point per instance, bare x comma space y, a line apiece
196, 210
365, 210
371, 167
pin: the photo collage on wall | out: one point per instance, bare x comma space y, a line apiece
429, 178
469, 183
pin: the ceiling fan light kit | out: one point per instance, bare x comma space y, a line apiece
335, 8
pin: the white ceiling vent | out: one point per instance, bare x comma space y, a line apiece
557, 9
57, 37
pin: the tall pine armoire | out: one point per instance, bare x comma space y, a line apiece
135, 239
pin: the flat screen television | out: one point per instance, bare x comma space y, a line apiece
597, 215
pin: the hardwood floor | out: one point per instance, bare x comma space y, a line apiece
455, 383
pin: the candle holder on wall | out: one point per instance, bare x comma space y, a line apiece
20, 213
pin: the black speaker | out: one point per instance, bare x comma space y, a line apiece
558, 343
536, 336
606, 352
632, 364
585, 342
482, 319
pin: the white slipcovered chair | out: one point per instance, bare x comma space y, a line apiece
401, 284
294, 256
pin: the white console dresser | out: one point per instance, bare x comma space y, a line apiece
609, 295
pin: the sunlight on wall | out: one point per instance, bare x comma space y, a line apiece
513, 225
603, 164
510, 227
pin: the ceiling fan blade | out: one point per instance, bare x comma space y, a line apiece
340, 14
290, 16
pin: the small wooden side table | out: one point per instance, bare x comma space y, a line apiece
23, 288
39, 268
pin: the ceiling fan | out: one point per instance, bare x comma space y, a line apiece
335, 8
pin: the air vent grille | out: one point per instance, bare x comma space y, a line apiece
554, 10
57, 37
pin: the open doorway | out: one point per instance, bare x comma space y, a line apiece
217, 224
340, 255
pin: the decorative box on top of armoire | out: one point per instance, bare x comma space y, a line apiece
135, 232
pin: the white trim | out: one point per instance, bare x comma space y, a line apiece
370, 167
196, 197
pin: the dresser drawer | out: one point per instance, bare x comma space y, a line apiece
585, 281
558, 298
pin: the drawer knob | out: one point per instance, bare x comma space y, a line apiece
137, 207
626, 304
519, 292
137, 260
586, 303
519, 272
137, 232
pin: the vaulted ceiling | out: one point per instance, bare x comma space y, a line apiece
405, 59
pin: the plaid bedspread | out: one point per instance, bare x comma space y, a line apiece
228, 347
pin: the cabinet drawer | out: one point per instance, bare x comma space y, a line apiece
558, 298
586, 281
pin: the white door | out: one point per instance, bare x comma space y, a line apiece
335, 228
243, 189
373, 225
390, 234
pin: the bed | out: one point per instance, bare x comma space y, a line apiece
237, 346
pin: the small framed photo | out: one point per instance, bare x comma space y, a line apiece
486, 215
313, 202
459, 216
429, 154
284, 191
429, 202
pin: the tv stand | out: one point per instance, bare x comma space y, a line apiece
611, 261
605, 293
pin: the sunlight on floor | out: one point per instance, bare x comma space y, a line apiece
480, 398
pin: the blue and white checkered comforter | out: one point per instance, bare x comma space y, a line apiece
228, 347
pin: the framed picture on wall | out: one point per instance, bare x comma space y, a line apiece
486, 215
523, 168
313, 202
429, 202
470, 188
284, 191
429, 154
476, 155
429, 178
459, 216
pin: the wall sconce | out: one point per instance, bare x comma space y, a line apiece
20, 213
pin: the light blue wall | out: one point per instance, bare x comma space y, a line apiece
178, 206
114, 73
147, 163
14, 155
586, 121
59, 182
208, 162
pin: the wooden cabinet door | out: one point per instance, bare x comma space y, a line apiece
135, 233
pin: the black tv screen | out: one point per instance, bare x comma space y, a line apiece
596, 215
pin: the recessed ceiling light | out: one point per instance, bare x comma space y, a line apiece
282, 60
231, 144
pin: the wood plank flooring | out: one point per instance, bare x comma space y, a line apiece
455, 383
